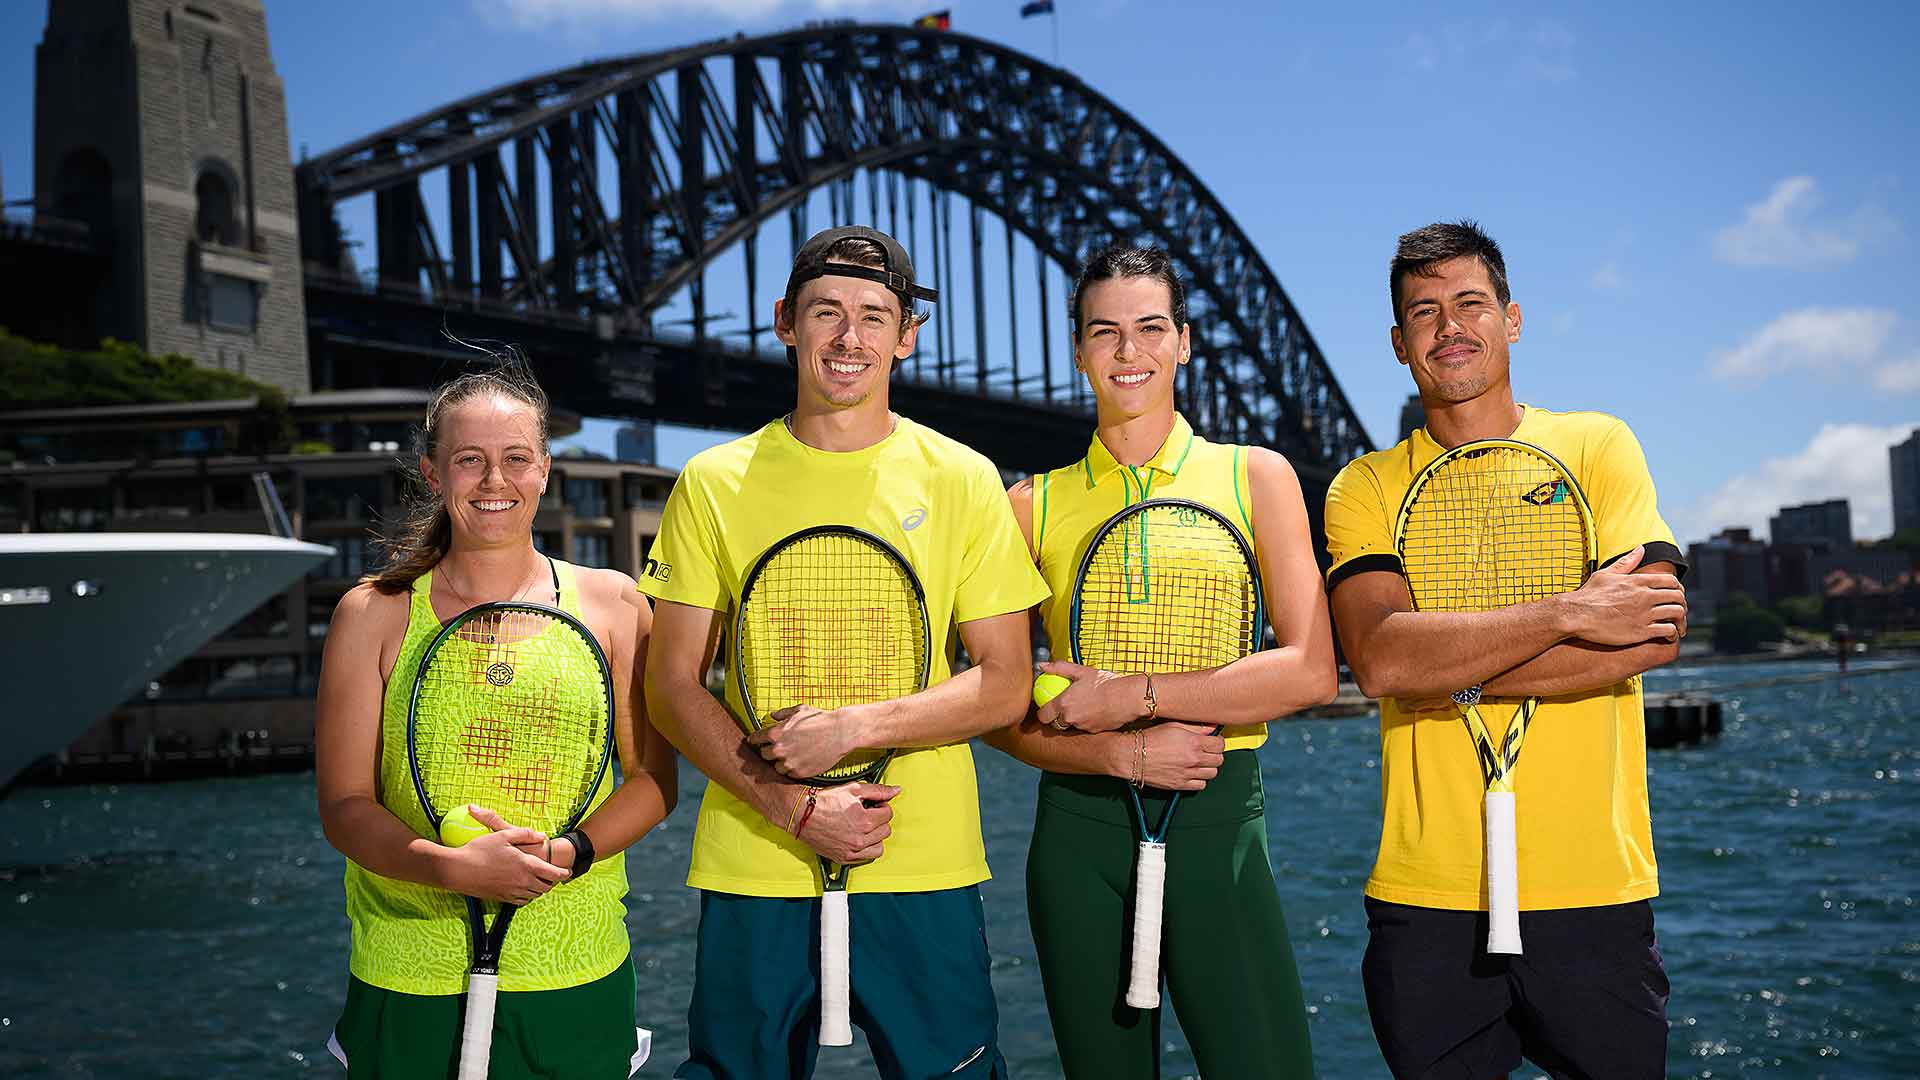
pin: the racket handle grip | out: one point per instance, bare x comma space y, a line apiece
1149, 888
1503, 879
836, 1021
476, 1037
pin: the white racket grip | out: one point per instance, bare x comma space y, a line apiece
1503, 879
1150, 886
476, 1038
836, 1020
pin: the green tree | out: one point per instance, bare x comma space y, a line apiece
1802, 612
1742, 626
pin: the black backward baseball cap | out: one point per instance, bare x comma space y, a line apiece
811, 262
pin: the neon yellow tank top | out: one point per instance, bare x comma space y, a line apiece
1070, 504
413, 938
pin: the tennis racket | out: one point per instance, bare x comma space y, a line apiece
831, 616
1489, 524
512, 709
1166, 585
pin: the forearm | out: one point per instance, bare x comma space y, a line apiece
1252, 690
1418, 654
987, 696
369, 834
1077, 753
701, 728
631, 812
1573, 667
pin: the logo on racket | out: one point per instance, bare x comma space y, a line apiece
1186, 515
1548, 493
499, 673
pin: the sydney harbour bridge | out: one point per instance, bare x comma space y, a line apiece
601, 215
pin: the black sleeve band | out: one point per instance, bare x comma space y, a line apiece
1659, 551
1361, 565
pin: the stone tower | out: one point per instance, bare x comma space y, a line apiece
163, 126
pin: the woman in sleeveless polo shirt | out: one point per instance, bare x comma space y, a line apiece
566, 1007
1227, 962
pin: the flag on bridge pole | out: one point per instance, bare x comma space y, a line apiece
938, 20
1044, 7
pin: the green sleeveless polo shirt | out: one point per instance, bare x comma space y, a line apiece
1071, 503
413, 938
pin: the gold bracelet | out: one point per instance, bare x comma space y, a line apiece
1153, 706
1140, 758
798, 802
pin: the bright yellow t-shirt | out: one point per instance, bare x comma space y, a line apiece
942, 505
1071, 503
1580, 788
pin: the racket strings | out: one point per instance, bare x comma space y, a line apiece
512, 715
1167, 589
831, 620
1493, 528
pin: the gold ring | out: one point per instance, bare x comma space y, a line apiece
1059, 724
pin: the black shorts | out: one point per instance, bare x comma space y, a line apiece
1587, 999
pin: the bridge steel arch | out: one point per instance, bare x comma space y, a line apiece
711, 142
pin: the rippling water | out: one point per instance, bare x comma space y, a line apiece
195, 929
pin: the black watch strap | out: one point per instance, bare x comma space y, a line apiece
582, 852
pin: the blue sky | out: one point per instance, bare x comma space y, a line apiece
1710, 211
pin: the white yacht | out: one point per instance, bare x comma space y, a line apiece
86, 619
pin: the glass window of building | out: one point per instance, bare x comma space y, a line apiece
586, 497
72, 509
13, 506
349, 560
342, 498
591, 549
153, 500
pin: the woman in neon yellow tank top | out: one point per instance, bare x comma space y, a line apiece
566, 1006
1229, 967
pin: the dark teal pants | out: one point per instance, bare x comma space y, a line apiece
921, 991
1225, 956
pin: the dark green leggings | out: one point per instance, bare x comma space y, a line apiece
1225, 955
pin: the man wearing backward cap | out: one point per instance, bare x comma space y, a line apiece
920, 987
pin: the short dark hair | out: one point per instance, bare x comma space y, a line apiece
1422, 249
1125, 261
860, 252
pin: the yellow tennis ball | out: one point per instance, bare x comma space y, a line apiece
1048, 686
460, 826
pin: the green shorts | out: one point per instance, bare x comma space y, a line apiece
582, 1031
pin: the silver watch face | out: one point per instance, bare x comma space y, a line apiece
1469, 696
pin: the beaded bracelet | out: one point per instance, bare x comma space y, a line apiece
1140, 758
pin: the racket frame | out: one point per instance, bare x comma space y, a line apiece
836, 1026
483, 976
1150, 857
1497, 765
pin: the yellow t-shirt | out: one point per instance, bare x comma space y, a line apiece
1071, 503
942, 505
413, 938
1580, 788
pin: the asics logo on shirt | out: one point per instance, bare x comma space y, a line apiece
912, 521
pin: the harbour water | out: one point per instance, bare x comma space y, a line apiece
195, 929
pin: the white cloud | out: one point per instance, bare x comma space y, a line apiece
537, 14
1816, 338
1842, 461
1899, 376
1778, 232
1541, 50
1609, 277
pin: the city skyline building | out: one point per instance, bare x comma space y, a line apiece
1904, 472
1826, 524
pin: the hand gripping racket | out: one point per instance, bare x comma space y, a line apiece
512, 709
831, 616
1166, 585
1489, 524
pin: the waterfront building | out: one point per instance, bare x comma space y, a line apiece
1904, 459
1826, 524
1732, 561
189, 466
